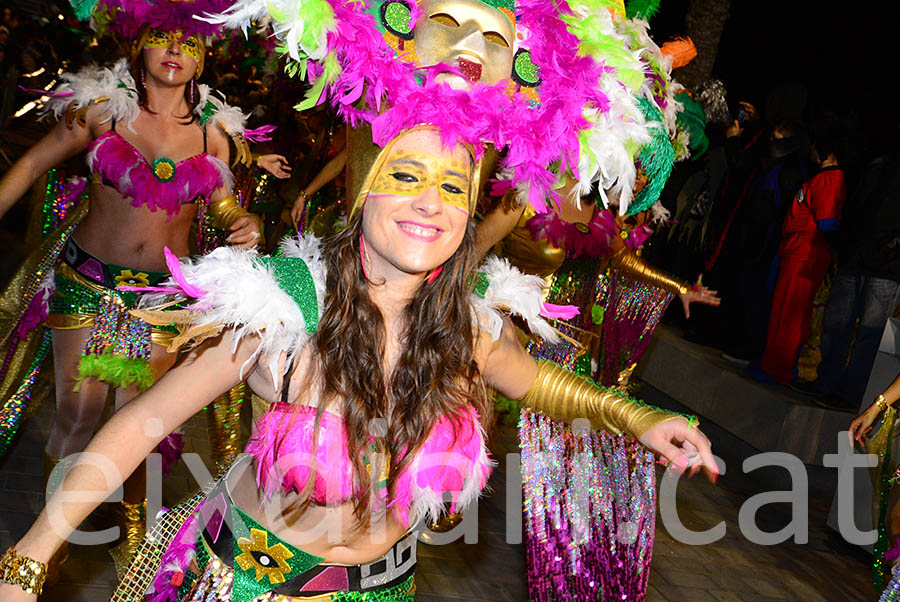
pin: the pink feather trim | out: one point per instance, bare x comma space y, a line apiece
260, 134
121, 164
282, 445
559, 312
175, 559
46, 92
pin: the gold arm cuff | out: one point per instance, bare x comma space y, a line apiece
565, 396
627, 262
227, 211
22, 571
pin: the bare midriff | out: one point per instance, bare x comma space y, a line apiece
117, 232
332, 532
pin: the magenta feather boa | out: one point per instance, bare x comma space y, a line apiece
536, 136
128, 16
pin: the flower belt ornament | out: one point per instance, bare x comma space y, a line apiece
163, 169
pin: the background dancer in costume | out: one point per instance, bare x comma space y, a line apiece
400, 338
158, 152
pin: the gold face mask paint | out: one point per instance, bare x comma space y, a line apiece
190, 47
408, 173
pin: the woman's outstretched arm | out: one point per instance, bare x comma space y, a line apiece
128, 437
565, 396
60, 143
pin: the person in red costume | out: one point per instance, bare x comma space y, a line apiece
805, 256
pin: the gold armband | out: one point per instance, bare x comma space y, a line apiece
565, 396
22, 571
628, 263
226, 212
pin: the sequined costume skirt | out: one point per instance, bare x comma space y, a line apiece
88, 295
207, 549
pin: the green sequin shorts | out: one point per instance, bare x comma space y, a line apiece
87, 296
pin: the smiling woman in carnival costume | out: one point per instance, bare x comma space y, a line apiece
375, 350
375, 353
157, 150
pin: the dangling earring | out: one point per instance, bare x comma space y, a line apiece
435, 273
193, 88
363, 255
143, 78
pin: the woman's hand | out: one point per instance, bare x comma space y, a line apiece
277, 165
683, 446
861, 426
700, 294
14, 593
244, 232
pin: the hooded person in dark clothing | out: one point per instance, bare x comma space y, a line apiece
865, 289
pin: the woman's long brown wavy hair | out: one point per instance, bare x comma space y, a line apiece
435, 374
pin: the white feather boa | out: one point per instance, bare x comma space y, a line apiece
509, 290
92, 82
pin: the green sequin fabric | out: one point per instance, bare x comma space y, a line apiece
295, 279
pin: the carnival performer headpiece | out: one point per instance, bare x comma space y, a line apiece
363, 59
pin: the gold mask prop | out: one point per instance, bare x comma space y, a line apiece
468, 34
402, 172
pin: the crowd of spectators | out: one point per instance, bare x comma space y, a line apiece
787, 210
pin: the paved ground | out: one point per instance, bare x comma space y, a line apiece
732, 569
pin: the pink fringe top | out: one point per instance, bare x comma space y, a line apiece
123, 167
451, 460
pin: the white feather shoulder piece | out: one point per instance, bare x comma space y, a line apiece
275, 299
214, 111
91, 84
509, 290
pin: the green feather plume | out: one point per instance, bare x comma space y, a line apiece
642, 9
83, 8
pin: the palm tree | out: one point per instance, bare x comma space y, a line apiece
704, 23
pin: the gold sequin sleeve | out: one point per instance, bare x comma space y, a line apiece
627, 262
563, 395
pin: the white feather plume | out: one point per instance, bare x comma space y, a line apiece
230, 118
243, 294
93, 82
239, 15
607, 149
512, 291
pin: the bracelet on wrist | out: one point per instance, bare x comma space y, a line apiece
22, 571
881, 402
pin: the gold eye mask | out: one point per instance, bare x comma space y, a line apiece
413, 173
190, 47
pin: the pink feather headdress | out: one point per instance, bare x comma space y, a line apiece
125, 18
338, 47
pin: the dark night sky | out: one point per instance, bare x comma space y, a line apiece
845, 57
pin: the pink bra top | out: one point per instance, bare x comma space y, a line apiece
162, 184
453, 460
